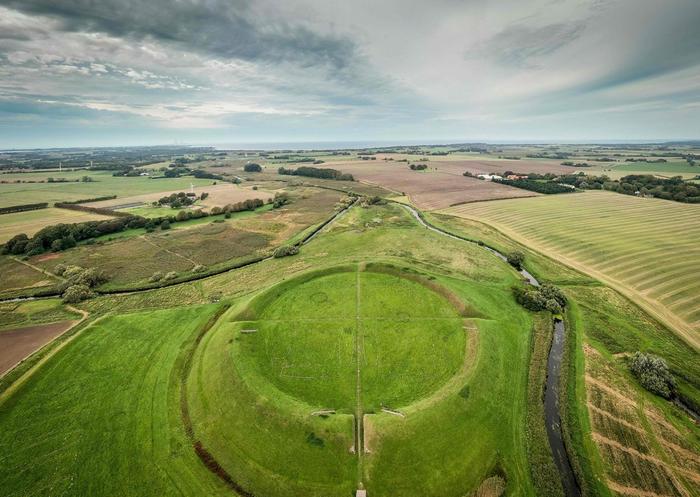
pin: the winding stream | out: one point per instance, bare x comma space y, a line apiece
551, 392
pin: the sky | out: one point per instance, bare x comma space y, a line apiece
137, 72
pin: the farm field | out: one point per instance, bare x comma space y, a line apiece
219, 195
135, 256
30, 222
17, 344
383, 356
103, 184
644, 247
428, 189
643, 445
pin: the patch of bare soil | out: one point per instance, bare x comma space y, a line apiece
18, 344
493, 486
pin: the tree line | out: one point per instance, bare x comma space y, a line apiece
316, 172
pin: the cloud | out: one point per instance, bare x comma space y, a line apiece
355, 70
521, 45
224, 28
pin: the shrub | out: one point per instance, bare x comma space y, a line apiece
227, 214
198, 268
551, 292
653, 374
252, 168
165, 225
553, 306
16, 245
157, 276
516, 259
545, 297
76, 293
286, 250
59, 269
170, 276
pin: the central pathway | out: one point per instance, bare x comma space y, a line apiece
359, 415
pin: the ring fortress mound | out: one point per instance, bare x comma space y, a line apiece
282, 390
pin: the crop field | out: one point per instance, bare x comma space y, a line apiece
30, 222
219, 195
18, 343
428, 189
645, 247
103, 184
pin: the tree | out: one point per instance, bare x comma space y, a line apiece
76, 293
653, 374
252, 168
285, 250
516, 259
16, 244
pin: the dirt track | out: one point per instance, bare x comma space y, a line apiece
20, 343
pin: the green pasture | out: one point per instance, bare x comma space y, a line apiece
102, 417
103, 184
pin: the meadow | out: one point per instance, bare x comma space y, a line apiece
30, 222
645, 248
383, 355
102, 184
331, 345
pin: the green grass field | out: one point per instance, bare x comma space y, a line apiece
310, 341
102, 417
645, 247
424, 325
103, 184
30, 222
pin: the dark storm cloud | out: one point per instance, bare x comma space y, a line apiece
222, 28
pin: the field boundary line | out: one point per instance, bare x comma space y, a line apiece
657, 310
19, 382
37, 268
151, 242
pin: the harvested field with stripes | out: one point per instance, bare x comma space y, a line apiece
645, 248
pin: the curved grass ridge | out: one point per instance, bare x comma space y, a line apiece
262, 300
204, 455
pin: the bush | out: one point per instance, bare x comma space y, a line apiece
252, 168
653, 374
286, 250
165, 225
516, 259
157, 276
76, 293
59, 269
16, 245
170, 276
198, 268
227, 214
545, 297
